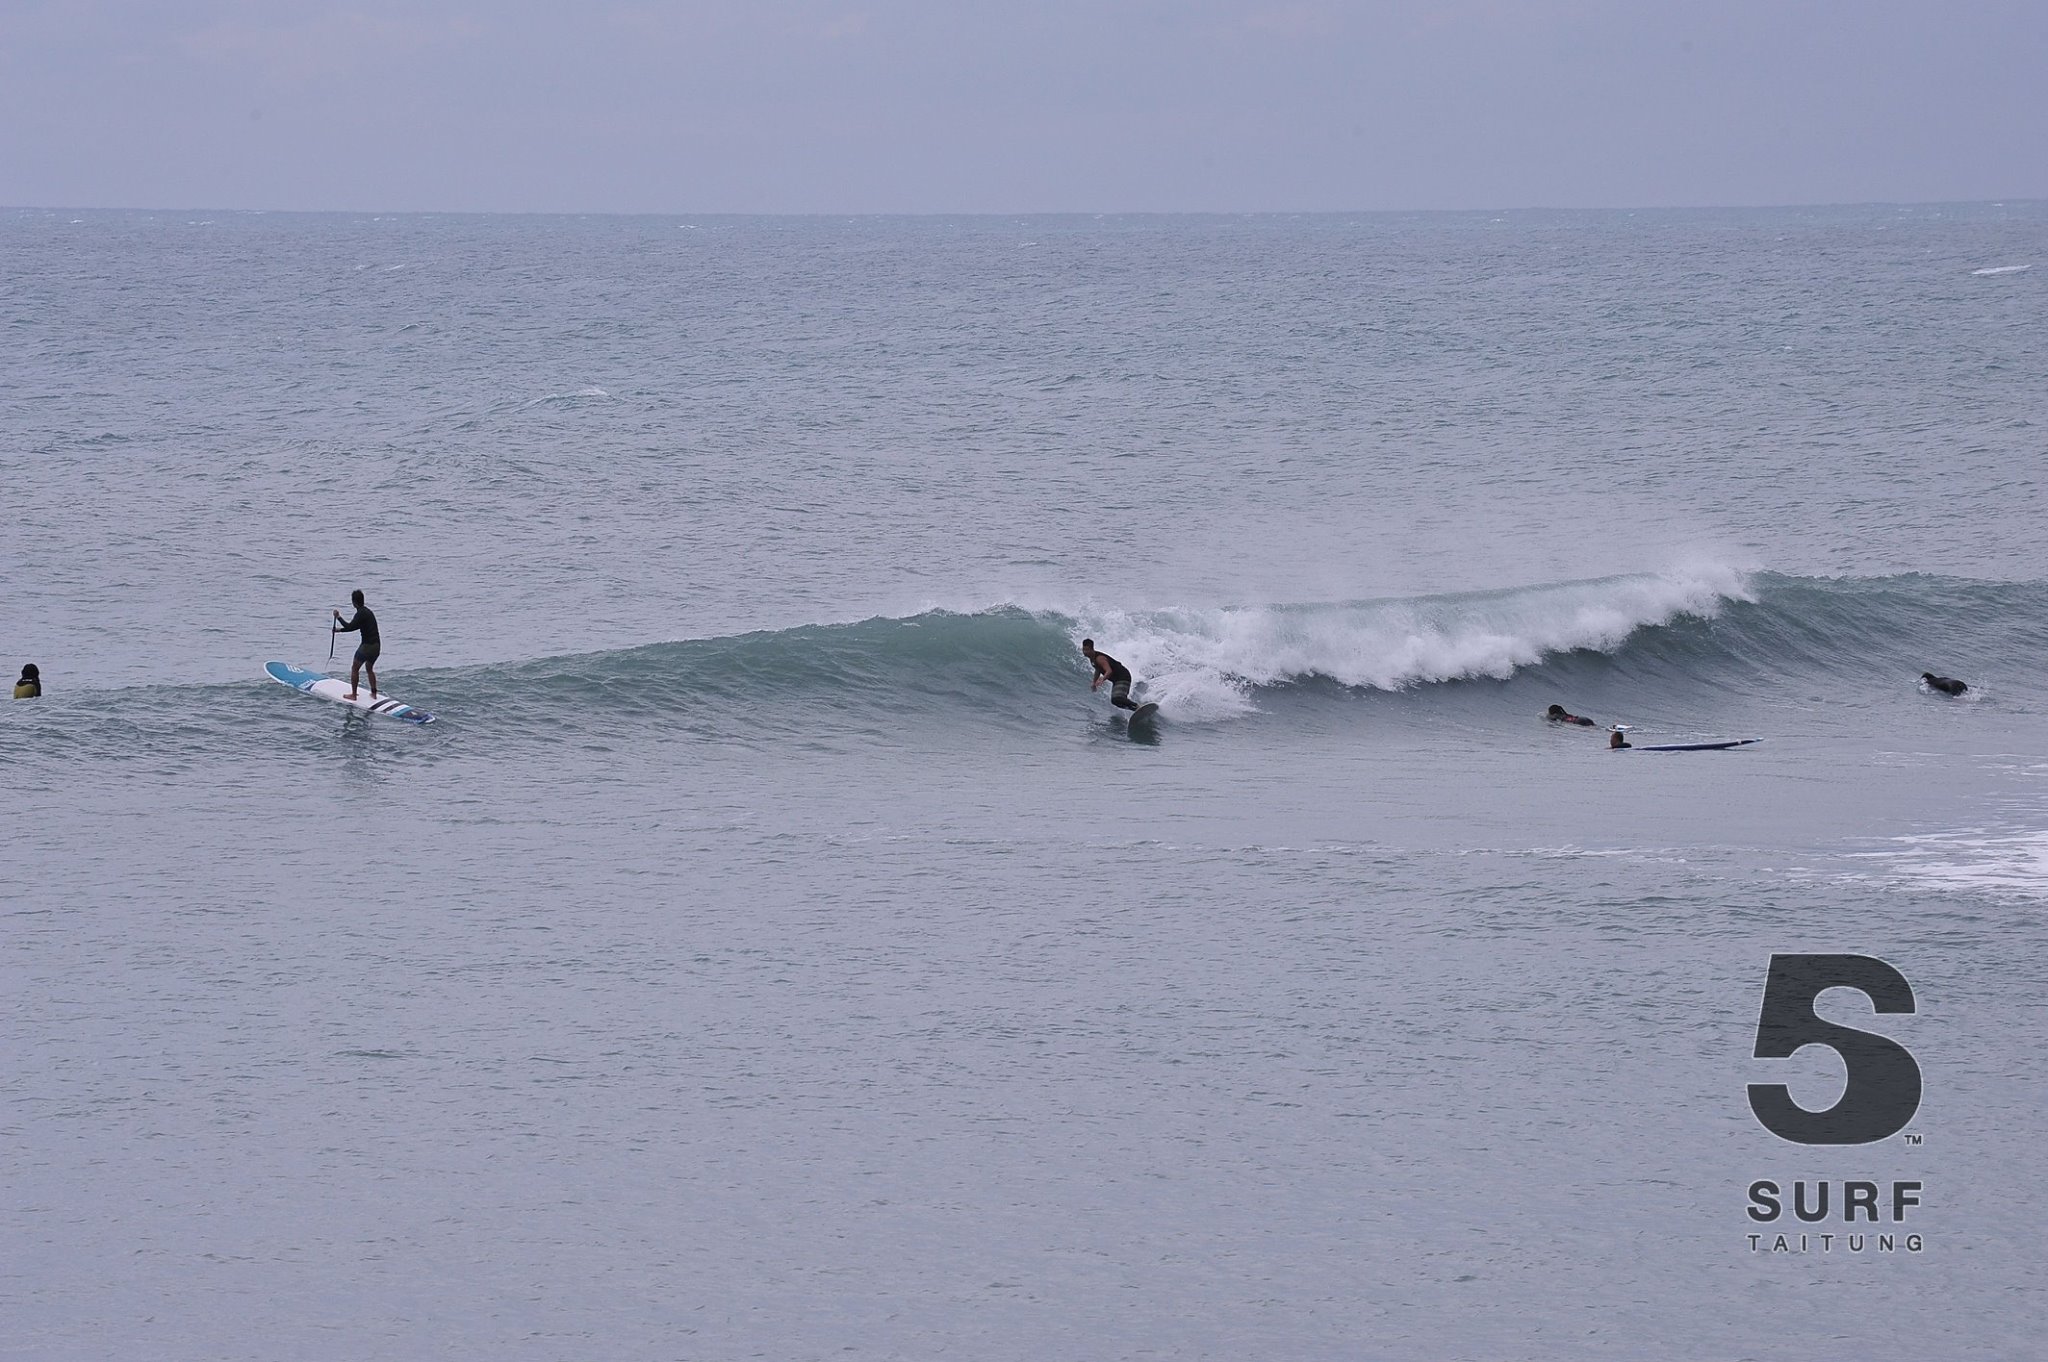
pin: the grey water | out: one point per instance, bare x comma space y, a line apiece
775, 949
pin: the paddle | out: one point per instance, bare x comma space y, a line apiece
331, 632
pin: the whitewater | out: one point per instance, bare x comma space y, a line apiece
776, 949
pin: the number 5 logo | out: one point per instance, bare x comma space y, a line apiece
1883, 1090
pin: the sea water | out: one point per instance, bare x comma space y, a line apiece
777, 950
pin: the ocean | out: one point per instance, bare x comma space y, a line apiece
776, 950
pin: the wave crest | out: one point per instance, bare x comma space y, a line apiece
1209, 661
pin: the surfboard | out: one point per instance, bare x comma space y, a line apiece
1143, 712
336, 689
1694, 746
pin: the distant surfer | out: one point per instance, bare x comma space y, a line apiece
30, 687
1109, 669
1556, 714
1947, 685
365, 623
1617, 739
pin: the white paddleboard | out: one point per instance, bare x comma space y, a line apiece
335, 689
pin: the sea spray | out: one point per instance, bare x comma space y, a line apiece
1204, 663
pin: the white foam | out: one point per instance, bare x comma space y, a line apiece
2001, 269
1204, 663
558, 399
2001, 864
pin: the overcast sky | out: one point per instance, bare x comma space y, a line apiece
863, 106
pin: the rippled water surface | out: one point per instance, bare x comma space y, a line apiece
774, 949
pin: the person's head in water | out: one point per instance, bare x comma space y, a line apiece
31, 684
1556, 712
356, 598
1947, 685
1617, 739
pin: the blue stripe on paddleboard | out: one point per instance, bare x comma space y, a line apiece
298, 677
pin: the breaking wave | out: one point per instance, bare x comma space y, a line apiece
1711, 628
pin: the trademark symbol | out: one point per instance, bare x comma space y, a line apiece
1912, 1138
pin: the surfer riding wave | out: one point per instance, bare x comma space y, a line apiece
1109, 669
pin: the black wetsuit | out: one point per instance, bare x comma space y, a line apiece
1119, 680
364, 623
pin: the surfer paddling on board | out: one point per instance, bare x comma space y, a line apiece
365, 623
1109, 669
1556, 714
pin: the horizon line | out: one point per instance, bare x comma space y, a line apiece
1994, 202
